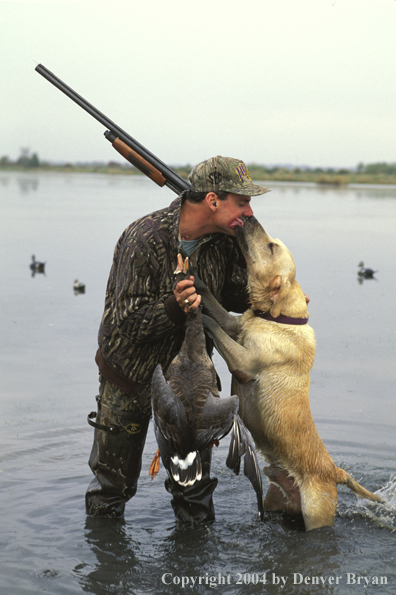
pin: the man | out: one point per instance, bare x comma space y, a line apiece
143, 324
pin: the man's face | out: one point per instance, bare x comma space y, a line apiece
231, 213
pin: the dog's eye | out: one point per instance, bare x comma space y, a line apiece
271, 247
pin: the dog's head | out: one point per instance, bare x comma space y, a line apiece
271, 268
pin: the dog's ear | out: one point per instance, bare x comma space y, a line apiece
275, 287
278, 292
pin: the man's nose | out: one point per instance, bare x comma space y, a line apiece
248, 211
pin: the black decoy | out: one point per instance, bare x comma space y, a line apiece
36, 266
189, 415
365, 272
78, 287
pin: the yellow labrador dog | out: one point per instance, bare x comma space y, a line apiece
270, 351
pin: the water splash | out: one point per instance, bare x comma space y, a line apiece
382, 514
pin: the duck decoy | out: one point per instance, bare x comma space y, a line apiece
189, 415
365, 272
78, 287
37, 266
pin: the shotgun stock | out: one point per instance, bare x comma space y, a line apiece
126, 145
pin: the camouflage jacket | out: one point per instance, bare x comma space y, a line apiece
142, 324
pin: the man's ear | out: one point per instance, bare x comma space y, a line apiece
211, 200
278, 292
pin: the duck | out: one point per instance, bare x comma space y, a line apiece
365, 272
78, 287
189, 416
37, 266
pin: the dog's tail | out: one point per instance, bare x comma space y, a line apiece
342, 477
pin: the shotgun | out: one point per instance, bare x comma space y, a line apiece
126, 145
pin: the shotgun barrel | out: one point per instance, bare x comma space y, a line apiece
134, 152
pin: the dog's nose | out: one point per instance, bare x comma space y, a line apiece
250, 219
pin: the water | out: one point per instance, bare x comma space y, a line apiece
49, 381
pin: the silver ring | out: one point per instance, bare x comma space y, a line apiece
186, 302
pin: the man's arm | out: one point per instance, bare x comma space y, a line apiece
141, 284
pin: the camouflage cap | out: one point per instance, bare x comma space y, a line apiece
224, 174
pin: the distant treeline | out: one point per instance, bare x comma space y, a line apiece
378, 168
26, 160
372, 173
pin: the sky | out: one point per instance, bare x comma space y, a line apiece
297, 82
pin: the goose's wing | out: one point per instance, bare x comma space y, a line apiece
241, 445
169, 415
216, 420
175, 433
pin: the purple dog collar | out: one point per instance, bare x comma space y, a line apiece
282, 319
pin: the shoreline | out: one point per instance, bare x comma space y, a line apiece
322, 178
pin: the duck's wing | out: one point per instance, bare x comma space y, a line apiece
216, 420
241, 445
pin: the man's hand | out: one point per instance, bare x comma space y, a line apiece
186, 295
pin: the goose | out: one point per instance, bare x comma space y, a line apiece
189, 415
365, 272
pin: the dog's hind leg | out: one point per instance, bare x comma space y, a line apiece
318, 503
